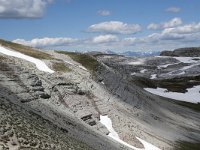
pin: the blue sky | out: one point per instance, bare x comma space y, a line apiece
118, 25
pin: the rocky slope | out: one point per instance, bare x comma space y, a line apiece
159, 117
61, 110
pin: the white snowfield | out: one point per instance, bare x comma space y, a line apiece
153, 76
143, 71
166, 65
194, 61
188, 60
106, 121
134, 73
137, 62
39, 64
192, 95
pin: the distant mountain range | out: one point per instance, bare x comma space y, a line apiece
131, 53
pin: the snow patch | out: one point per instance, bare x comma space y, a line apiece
166, 65
135, 63
106, 121
39, 64
134, 73
143, 71
147, 146
138, 62
153, 76
192, 95
187, 59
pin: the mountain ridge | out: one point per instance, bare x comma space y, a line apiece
73, 99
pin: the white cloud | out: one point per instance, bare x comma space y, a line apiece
115, 27
47, 42
173, 9
153, 26
104, 13
23, 8
172, 23
170, 38
169, 24
185, 29
105, 39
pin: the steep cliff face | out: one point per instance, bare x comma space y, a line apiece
65, 102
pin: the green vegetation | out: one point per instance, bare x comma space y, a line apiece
60, 67
179, 84
87, 61
183, 145
26, 50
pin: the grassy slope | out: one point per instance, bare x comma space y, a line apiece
25, 50
60, 67
87, 61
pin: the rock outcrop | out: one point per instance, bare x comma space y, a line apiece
183, 52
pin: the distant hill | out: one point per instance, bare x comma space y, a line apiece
131, 53
183, 52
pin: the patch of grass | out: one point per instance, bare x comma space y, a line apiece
183, 145
87, 61
179, 84
60, 67
26, 50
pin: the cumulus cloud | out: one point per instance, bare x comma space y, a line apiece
105, 39
169, 24
169, 38
23, 8
47, 42
104, 13
115, 27
173, 9
185, 29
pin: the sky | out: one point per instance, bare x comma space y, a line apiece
100, 25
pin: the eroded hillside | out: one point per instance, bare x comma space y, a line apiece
67, 100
